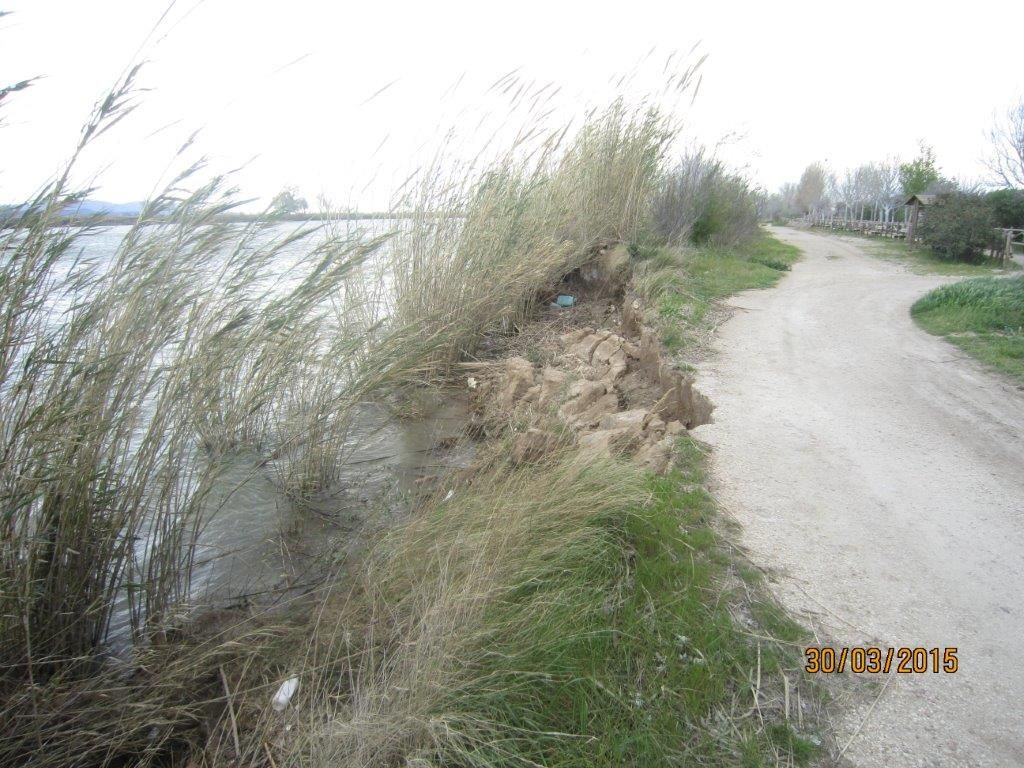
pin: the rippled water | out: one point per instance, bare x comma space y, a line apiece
256, 544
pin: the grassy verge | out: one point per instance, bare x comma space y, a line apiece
682, 285
198, 338
983, 316
758, 263
924, 261
571, 613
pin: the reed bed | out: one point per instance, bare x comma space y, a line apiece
416, 624
525, 218
122, 383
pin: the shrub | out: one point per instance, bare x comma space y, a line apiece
771, 263
1008, 207
700, 202
961, 227
979, 305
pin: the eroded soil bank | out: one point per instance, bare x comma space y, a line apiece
876, 473
669, 645
593, 375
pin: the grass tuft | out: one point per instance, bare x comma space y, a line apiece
569, 614
983, 316
923, 260
682, 284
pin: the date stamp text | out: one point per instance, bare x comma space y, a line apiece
873, 659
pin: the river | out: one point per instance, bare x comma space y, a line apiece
256, 545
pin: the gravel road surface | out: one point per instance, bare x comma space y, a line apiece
878, 474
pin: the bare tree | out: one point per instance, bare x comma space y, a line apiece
811, 191
889, 186
1006, 155
834, 192
856, 191
877, 187
787, 194
863, 190
845, 192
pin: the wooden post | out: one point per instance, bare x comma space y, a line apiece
912, 225
1008, 251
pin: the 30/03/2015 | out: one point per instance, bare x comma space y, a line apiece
874, 659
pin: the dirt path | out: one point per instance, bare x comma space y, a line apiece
879, 475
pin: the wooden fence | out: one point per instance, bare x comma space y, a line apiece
1011, 238
1005, 242
893, 229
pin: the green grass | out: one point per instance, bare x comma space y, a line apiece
627, 655
923, 260
760, 263
571, 613
683, 284
983, 316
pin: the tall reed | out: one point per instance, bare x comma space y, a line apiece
122, 382
525, 219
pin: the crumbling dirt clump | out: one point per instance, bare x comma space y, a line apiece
605, 392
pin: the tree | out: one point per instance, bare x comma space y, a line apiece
810, 192
889, 187
1005, 159
920, 173
787, 193
960, 227
781, 205
1008, 207
858, 189
287, 201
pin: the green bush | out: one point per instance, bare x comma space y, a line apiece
701, 202
768, 261
978, 305
961, 227
1008, 207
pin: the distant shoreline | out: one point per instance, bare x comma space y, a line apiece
229, 218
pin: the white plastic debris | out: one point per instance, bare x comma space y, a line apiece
471, 382
449, 495
284, 694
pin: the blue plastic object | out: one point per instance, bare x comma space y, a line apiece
565, 301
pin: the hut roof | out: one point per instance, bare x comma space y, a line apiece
923, 199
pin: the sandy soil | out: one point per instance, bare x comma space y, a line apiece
878, 475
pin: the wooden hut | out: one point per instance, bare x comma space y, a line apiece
915, 203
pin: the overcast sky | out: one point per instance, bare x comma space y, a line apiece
287, 89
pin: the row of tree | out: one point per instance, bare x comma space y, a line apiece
876, 191
873, 191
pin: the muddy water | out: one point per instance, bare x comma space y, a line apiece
258, 542
257, 547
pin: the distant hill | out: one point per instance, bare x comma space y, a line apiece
93, 207
83, 209
126, 213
